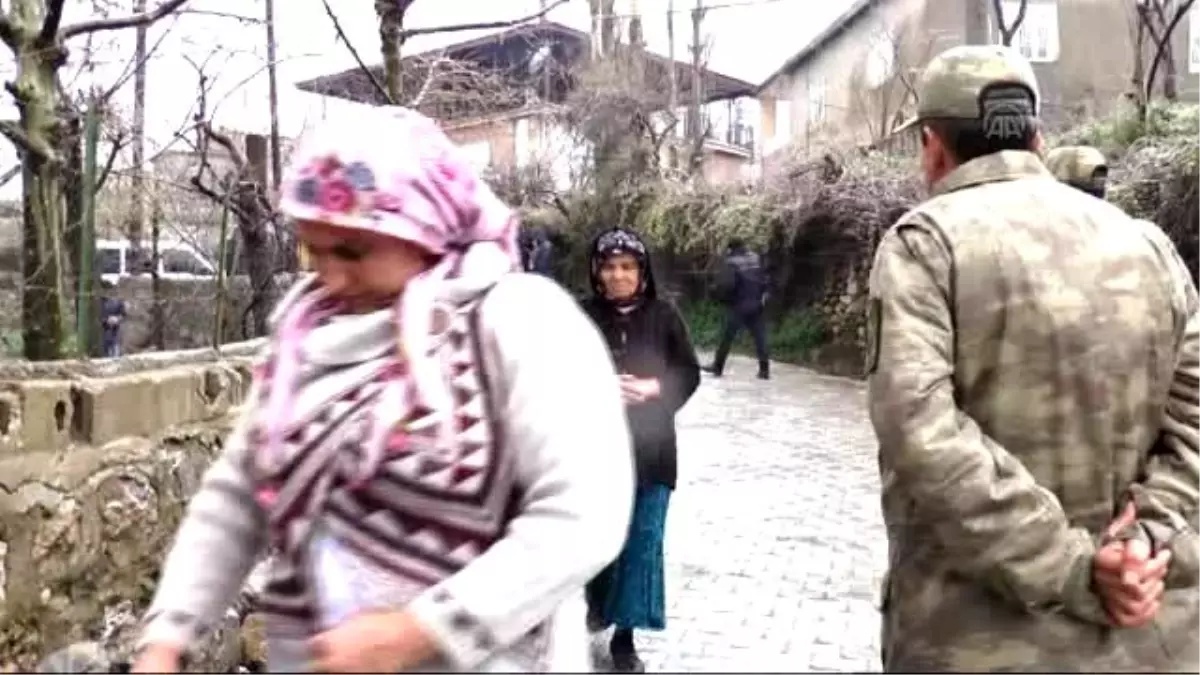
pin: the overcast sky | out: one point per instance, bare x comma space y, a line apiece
749, 39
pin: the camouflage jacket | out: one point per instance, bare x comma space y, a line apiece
1033, 365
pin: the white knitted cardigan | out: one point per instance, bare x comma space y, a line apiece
512, 604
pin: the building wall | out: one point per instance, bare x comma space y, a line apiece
496, 135
722, 167
515, 141
843, 94
1088, 75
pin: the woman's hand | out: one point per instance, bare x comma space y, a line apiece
372, 642
639, 389
157, 658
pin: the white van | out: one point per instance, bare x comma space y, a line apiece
176, 261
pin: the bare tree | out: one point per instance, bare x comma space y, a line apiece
393, 35
32, 30
882, 85
238, 183
1155, 22
1008, 30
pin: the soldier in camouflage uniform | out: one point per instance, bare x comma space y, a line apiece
1081, 167
1033, 386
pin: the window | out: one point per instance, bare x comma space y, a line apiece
522, 143
1194, 40
479, 154
108, 260
178, 261
783, 121
816, 102
1037, 36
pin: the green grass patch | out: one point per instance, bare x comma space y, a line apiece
790, 338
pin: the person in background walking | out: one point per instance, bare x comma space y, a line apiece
538, 255
659, 372
1080, 166
112, 316
743, 285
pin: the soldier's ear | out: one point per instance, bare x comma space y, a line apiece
1038, 144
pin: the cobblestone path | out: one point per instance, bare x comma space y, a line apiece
775, 547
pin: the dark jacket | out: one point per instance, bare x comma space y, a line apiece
541, 257
651, 341
743, 281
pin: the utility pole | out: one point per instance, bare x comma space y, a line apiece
695, 133
136, 226
672, 76
273, 98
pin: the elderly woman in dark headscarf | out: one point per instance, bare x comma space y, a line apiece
659, 372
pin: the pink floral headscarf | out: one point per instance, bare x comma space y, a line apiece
393, 172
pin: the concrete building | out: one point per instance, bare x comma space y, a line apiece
852, 84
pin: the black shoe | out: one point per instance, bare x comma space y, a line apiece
712, 370
627, 662
764, 374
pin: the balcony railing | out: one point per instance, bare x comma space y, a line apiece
737, 135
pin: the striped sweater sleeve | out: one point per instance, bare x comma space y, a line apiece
222, 532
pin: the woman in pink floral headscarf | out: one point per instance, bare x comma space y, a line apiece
432, 444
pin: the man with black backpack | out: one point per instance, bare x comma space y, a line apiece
743, 285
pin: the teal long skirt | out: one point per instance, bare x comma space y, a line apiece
631, 592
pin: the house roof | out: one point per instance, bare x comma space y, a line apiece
856, 10
353, 84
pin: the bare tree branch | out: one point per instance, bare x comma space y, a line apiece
413, 32
14, 133
224, 15
102, 177
131, 67
337, 26
132, 21
1162, 42
8, 35
12, 173
1009, 31
54, 14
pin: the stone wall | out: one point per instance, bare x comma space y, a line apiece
97, 461
842, 309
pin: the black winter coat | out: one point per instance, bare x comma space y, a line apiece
651, 341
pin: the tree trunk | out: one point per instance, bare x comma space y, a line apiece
391, 26
158, 318
44, 208
1170, 88
256, 243
71, 152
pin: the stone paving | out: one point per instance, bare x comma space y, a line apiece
775, 547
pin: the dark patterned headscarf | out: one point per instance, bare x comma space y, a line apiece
619, 241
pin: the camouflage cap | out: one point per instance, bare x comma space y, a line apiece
953, 82
1075, 164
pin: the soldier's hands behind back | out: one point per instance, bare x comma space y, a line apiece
1129, 580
